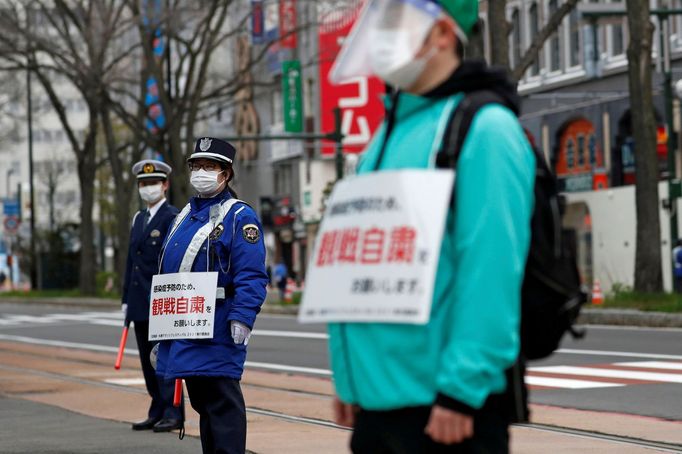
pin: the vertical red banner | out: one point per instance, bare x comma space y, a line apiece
362, 108
287, 24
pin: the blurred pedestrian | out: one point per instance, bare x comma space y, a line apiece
146, 237
216, 232
439, 386
677, 265
281, 275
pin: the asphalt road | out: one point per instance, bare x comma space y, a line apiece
624, 370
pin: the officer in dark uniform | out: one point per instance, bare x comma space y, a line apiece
146, 237
216, 232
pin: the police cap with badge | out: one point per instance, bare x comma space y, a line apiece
213, 149
149, 169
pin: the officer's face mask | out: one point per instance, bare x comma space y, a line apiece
151, 193
386, 40
205, 182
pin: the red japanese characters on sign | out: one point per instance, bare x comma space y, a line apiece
173, 306
362, 109
287, 24
370, 247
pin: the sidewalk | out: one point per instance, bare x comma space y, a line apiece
65, 401
29, 427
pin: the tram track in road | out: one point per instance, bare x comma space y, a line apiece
98, 358
96, 362
657, 446
619, 439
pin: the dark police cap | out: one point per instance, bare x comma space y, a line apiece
151, 168
215, 149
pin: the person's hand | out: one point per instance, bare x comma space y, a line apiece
124, 309
240, 332
344, 414
449, 427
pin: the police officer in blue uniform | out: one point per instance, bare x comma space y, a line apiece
216, 232
146, 238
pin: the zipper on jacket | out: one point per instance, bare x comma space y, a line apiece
344, 347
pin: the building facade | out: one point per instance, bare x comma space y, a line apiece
576, 110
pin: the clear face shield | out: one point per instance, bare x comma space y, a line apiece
387, 36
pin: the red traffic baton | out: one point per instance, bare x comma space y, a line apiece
177, 397
122, 345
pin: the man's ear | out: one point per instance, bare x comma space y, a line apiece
443, 33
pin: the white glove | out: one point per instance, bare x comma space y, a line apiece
153, 355
124, 309
240, 332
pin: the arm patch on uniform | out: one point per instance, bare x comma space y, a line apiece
251, 233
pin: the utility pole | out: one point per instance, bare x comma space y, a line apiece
32, 224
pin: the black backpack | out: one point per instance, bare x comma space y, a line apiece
552, 294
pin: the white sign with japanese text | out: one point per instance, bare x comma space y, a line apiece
182, 306
377, 250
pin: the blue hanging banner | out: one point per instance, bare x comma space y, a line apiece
257, 22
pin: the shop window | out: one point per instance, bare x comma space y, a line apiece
570, 154
574, 50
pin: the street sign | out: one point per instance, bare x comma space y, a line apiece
292, 93
11, 224
10, 207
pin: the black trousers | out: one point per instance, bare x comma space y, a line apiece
222, 413
678, 284
402, 432
160, 390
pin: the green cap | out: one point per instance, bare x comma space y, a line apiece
465, 13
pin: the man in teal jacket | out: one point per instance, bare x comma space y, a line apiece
431, 388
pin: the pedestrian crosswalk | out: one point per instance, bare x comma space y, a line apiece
612, 375
112, 318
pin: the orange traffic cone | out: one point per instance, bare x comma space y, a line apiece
289, 291
597, 295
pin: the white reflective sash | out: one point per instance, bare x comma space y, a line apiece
179, 218
216, 215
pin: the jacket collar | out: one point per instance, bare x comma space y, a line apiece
199, 206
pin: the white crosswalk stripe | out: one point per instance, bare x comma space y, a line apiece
550, 382
113, 318
653, 365
605, 375
610, 373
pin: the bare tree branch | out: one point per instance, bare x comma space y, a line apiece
550, 28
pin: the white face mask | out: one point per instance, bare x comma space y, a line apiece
151, 194
205, 182
392, 60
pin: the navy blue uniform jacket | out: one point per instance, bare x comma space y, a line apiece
239, 259
143, 259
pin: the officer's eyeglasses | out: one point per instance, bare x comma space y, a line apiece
208, 166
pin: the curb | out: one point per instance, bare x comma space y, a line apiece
106, 303
99, 303
630, 317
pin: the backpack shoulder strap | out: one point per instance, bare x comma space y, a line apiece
459, 125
